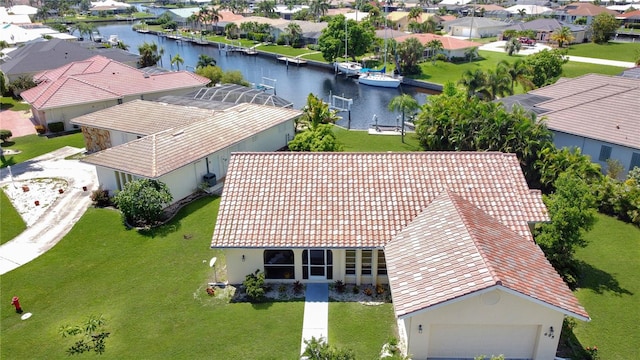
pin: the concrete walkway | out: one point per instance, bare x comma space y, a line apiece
59, 217
316, 313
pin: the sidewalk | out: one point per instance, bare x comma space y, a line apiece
316, 313
59, 217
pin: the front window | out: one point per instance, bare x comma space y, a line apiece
366, 261
382, 263
278, 264
350, 262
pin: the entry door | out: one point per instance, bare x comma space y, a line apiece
317, 265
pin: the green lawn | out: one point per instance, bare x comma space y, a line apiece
610, 51
574, 69
33, 145
150, 289
9, 103
610, 290
347, 327
361, 141
11, 223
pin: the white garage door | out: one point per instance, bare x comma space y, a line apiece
468, 341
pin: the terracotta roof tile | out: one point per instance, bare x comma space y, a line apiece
361, 199
448, 42
453, 249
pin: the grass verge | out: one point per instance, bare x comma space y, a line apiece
621, 51
9, 103
32, 146
11, 223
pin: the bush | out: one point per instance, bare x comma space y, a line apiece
297, 287
40, 129
56, 127
100, 197
282, 39
620, 198
5, 134
254, 286
142, 201
441, 57
340, 286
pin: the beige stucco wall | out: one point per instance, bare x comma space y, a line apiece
497, 312
65, 114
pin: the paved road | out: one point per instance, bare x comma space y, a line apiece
60, 217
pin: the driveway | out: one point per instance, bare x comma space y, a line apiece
19, 122
64, 210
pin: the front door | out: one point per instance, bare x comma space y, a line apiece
317, 264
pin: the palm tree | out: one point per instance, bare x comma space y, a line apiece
177, 60
471, 53
231, 29
122, 46
317, 112
149, 54
562, 35
403, 103
83, 29
415, 14
319, 8
518, 72
205, 60
266, 8
522, 12
215, 16
497, 84
472, 81
512, 46
294, 32
434, 46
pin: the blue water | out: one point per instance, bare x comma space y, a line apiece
292, 83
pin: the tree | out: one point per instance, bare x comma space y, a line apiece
5, 135
231, 30
497, 83
562, 35
22, 83
83, 29
512, 46
518, 71
294, 34
215, 17
434, 46
603, 27
177, 60
410, 53
122, 46
319, 8
149, 54
471, 53
318, 135
403, 103
472, 81
318, 349
234, 77
211, 72
205, 60
522, 12
572, 209
415, 14
553, 162
142, 201
545, 66
266, 8
331, 41
93, 332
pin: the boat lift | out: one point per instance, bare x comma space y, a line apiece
341, 104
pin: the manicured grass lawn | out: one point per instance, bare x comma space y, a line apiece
610, 290
610, 51
11, 223
362, 328
151, 291
574, 69
9, 103
361, 141
33, 145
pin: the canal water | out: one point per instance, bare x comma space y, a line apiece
291, 82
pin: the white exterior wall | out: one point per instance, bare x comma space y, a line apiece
496, 322
592, 147
106, 179
119, 137
67, 113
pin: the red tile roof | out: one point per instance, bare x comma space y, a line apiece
585, 9
361, 199
99, 78
453, 249
448, 42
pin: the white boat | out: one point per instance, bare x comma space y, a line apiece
379, 79
113, 40
349, 68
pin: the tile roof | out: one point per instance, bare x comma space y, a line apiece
361, 199
595, 106
585, 9
453, 249
448, 42
99, 78
160, 153
476, 22
544, 24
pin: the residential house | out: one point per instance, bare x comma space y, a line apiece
448, 231
8, 17
628, 18
596, 113
474, 27
38, 56
523, 11
16, 35
182, 146
97, 83
111, 6
401, 19
451, 47
182, 16
544, 27
571, 12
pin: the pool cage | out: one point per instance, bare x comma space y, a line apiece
238, 94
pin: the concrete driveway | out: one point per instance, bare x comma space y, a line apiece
60, 216
19, 122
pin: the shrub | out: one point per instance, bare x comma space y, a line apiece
56, 127
40, 129
142, 201
282, 39
368, 291
254, 285
100, 197
380, 289
282, 288
5, 134
340, 286
441, 57
297, 287
355, 289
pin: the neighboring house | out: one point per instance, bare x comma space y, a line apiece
35, 57
631, 17
16, 35
97, 83
182, 146
569, 13
475, 27
401, 19
114, 7
182, 16
631, 73
451, 47
596, 113
527, 10
448, 231
7, 17
544, 27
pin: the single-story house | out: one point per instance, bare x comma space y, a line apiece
182, 15
475, 27
596, 113
38, 56
448, 231
544, 27
97, 83
7, 17
16, 35
112, 6
631, 17
527, 10
451, 47
571, 12
181, 146
401, 19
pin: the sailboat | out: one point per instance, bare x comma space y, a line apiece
349, 68
380, 78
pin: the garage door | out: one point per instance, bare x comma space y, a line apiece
468, 341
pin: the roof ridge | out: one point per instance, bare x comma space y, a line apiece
154, 155
73, 77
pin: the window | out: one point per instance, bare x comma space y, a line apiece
350, 262
382, 263
605, 153
635, 161
278, 264
318, 263
366, 261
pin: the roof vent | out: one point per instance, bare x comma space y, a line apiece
146, 76
179, 132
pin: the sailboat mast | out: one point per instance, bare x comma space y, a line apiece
346, 39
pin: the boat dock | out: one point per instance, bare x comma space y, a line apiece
292, 60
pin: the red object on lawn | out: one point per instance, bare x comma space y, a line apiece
16, 302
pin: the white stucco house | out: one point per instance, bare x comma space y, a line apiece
451, 46
475, 27
97, 83
596, 113
182, 146
449, 232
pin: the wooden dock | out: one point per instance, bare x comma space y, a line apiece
290, 60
